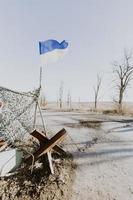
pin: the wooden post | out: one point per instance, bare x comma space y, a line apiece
46, 147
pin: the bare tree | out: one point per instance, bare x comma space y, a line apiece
96, 90
69, 99
42, 100
61, 89
57, 99
123, 72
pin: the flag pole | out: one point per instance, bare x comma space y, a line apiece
37, 103
45, 132
40, 86
40, 80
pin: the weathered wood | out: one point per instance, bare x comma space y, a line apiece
59, 150
47, 146
2, 142
3, 147
43, 140
51, 143
40, 136
50, 162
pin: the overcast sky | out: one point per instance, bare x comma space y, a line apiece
97, 32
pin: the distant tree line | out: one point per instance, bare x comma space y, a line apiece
123, 73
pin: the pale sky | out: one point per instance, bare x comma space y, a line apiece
97, 32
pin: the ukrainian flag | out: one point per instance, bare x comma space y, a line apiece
52, 50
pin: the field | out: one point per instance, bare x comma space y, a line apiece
107, 107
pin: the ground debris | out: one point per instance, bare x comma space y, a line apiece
40, 185
90, 124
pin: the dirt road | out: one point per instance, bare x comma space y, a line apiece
104, 155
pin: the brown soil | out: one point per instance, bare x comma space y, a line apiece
40, 184
90, 124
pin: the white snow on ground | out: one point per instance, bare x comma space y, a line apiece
105, 169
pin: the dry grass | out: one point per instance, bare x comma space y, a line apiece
103, 107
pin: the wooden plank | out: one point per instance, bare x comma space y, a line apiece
50, 162
49, 145
43, 139
3, 147
38, 135
2, 142
59, 150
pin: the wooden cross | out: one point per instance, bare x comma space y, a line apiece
46, 145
